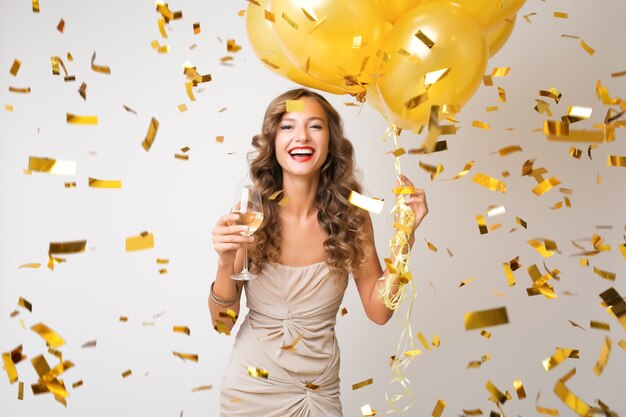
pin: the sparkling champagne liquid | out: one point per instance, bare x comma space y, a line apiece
252, 219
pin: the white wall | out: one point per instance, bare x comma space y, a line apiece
179, 201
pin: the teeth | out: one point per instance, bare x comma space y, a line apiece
301, 152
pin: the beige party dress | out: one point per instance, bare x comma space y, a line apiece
286, 302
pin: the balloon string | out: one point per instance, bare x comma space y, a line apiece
394, 291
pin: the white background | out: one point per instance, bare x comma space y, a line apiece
179, 201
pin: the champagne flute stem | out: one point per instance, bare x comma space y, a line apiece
245, 258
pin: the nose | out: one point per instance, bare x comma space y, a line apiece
301, 134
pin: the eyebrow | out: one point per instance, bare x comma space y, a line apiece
289, 119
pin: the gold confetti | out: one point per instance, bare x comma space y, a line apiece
9, 367
99, 68
575, 152
575, 324
481, 125
289, 21
412, 353
15, 67
559, 356
552, 93
423, 340
474, 412
605, 274
587, 48
293, 344
231, 46
568, 397
8, 107
465, 170
616, 161
294, 106
30, 265
434, 76
77, 384
367, 411
500, 71
181, 156
543, 107
509, 150
127, 373
616, 304
222, 328
484, 333
416, 101
35, 4
519, 389
362, 384
25, 90
96, 183
496, 392
545, 186
366, 203
20, 391
344, 311
622, 344
274, 195
81, 120
543, 246
49, 335
186, 356
527, 17
196, 28
438, 410
67, 247
219, 139
258, 372
482, 226
487, 80
489, 182
61, 25
144, 241
22, 302
436, 341
461, 284
600, 325
485, 318
182, 108
425, 39
577, 113
547, 411
560, 15
431, 246
604, 356
202, 388
182, 329
521, 222
89, 344
284, 202
151, 135
491, 108
434, 171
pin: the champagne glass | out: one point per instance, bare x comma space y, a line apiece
250, 210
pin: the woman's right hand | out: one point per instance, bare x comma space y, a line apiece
227, 238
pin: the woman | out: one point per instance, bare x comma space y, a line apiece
303, 253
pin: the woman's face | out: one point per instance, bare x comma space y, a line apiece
302, 140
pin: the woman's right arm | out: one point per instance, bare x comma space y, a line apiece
225, 292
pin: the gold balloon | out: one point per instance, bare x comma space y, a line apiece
335, 41
497, 37
459, 45
261, 36
393, 9
489, 13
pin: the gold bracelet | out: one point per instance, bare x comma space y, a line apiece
223, 302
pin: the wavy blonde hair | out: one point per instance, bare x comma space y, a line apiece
347, 243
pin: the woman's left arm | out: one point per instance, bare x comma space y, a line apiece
367, 278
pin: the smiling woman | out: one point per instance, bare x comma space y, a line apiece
285, 361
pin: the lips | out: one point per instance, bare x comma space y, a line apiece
301, 153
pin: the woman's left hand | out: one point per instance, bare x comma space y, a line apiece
416, 200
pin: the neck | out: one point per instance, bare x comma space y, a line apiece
301, 193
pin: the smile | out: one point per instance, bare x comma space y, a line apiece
301, 153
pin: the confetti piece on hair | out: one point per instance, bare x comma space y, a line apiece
151, 135
425, 39
22, 302
47, 334
81, 120
366, 203
145, 240
489, 182
485, 318
283, 202
438, 410
96, 183
604, 356
294, 106
258, 372
182, 329
362, 384
186, 356
500, 71
99, 68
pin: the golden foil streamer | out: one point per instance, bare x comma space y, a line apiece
99, 68
438, 410
151, 135
67, 247
293, 344
81, 120
366, 203
258, 372
489, 182
616, 161
598, 368
616, 304
485, 318
182, 329
96, 183
496, 392
425, 39
144, 241
186, 356
15, 67
47, 334
519, 389
362, 384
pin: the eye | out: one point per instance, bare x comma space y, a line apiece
285, 127
317, 127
